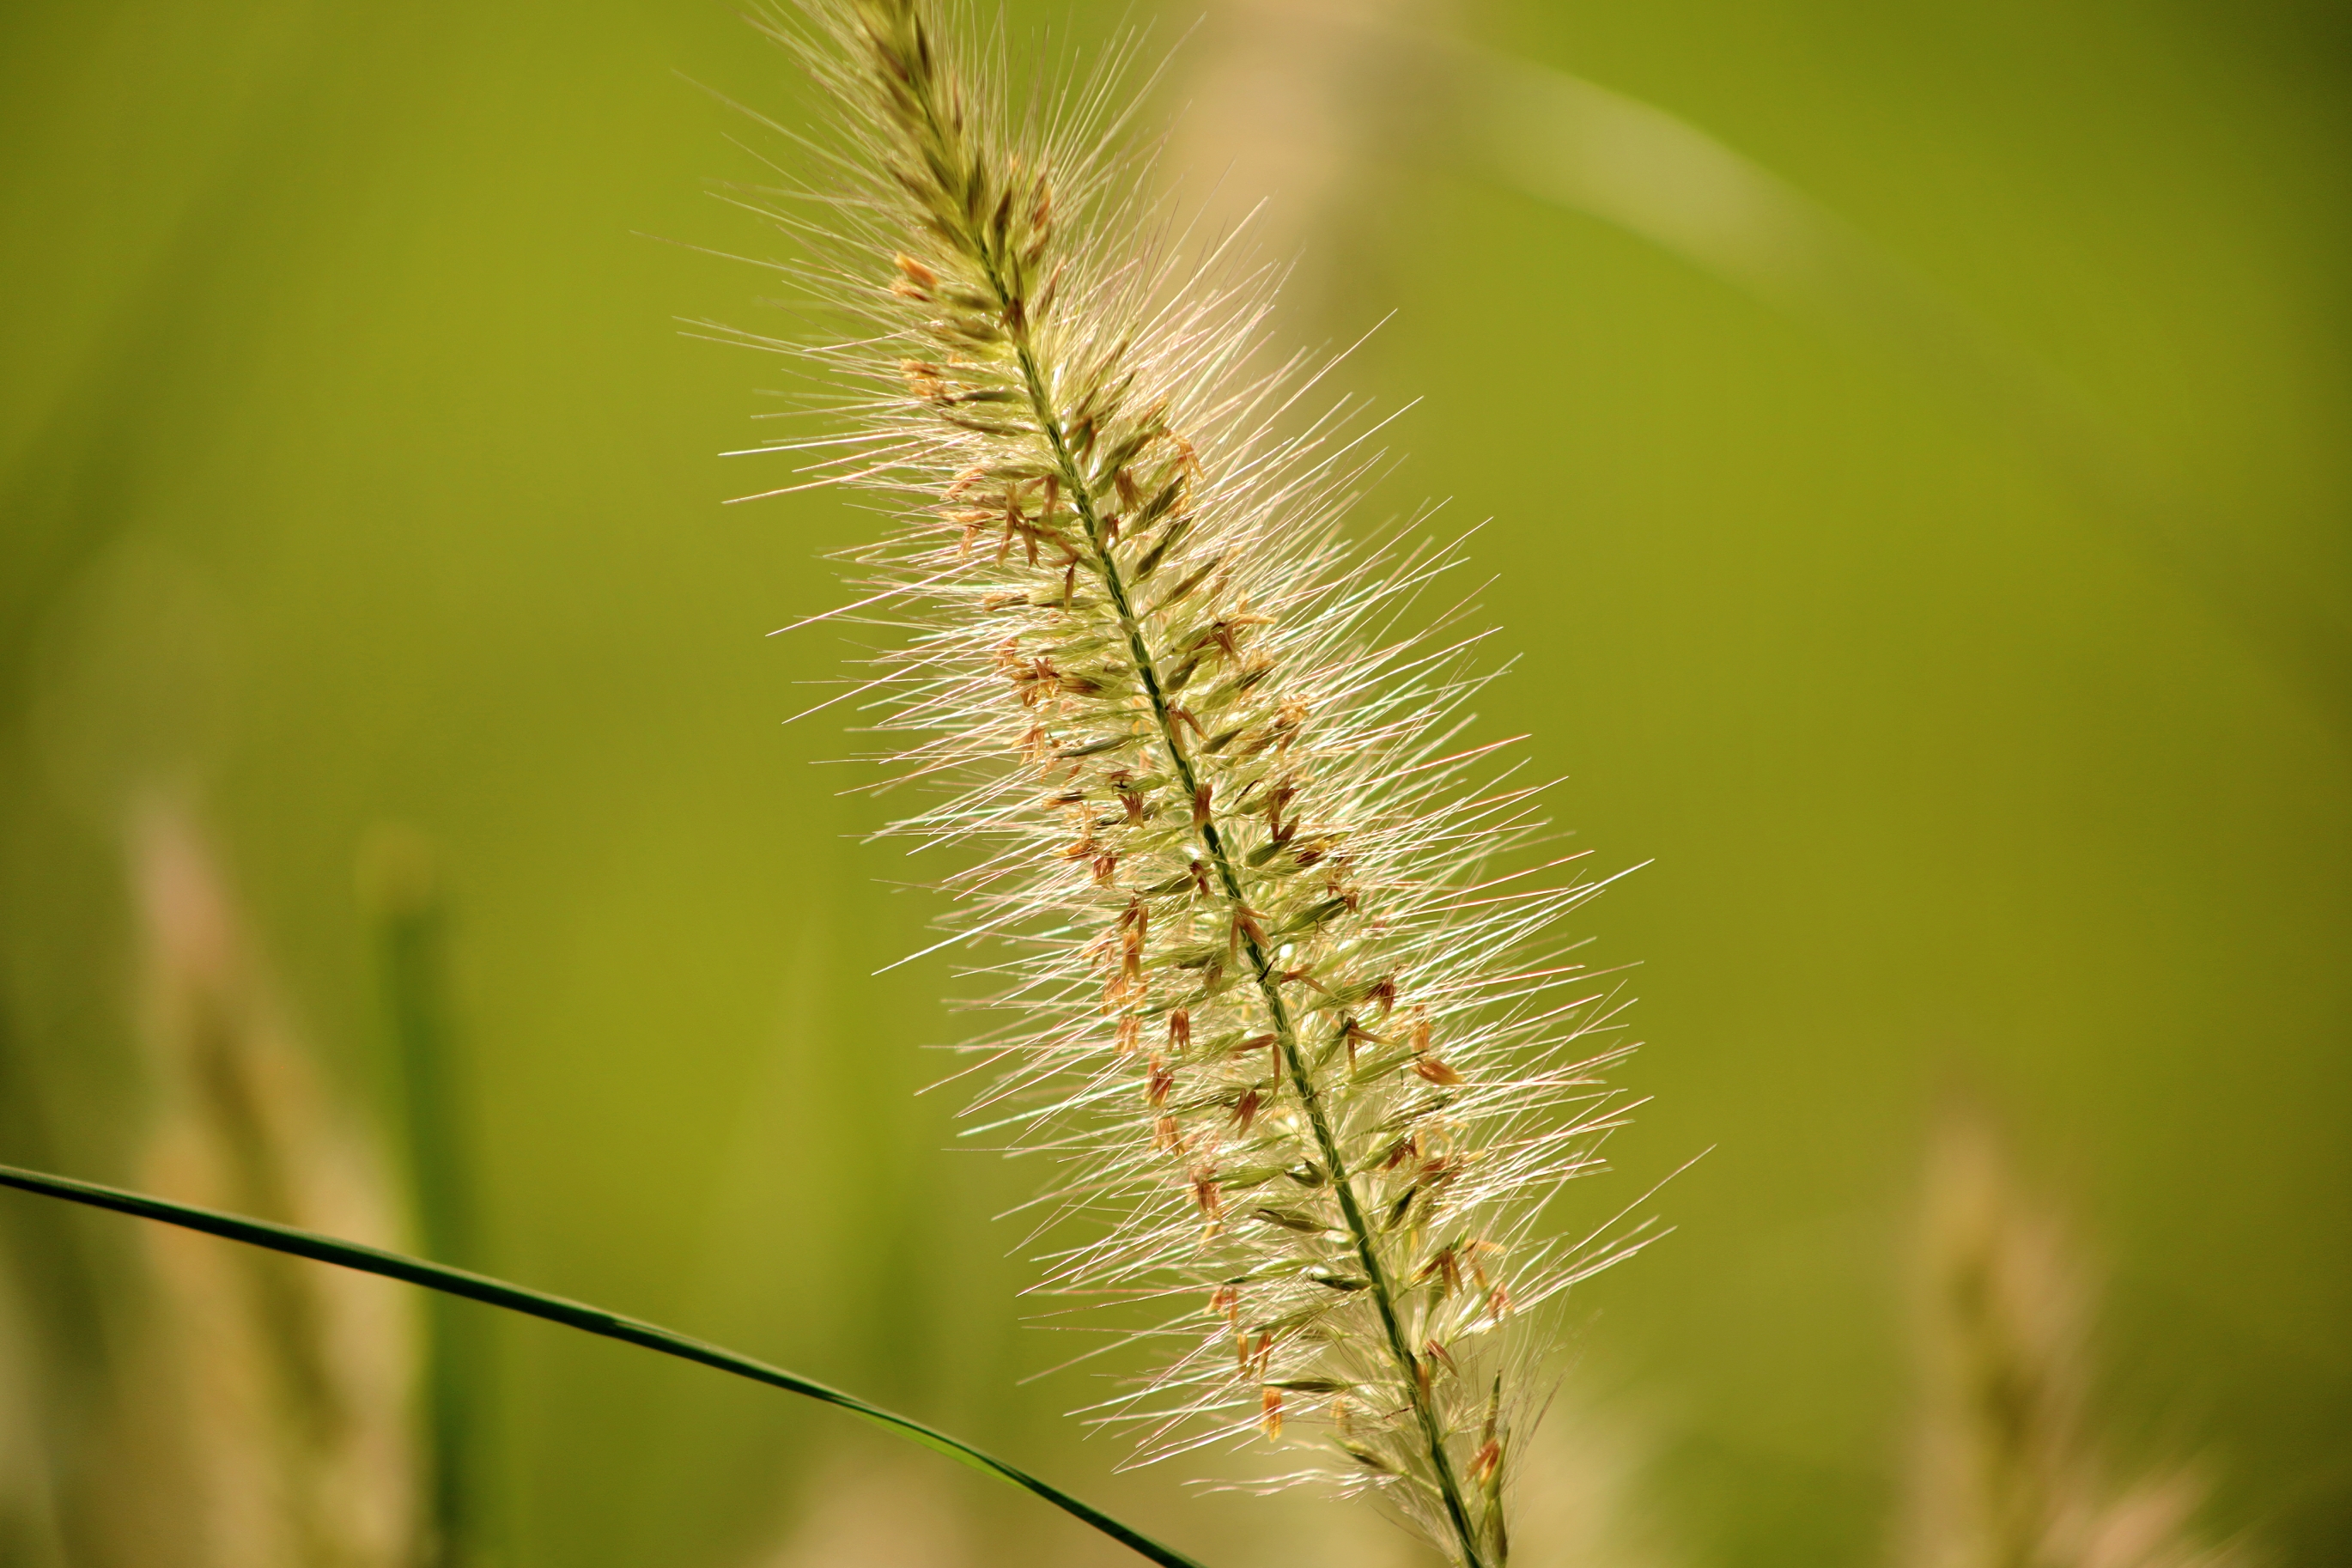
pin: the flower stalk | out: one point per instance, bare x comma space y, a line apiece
1304, 1052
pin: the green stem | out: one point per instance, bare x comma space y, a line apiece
574, 1315
1012, 311
461, 1375
1269, 987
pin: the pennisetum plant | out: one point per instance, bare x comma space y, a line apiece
1313, 1061
1311, 1065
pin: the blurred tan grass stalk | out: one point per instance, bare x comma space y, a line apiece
2007, 1471
30, 1535
276, 1389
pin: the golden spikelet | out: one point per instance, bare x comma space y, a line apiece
1312, 1069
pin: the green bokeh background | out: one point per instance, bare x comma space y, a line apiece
354, 465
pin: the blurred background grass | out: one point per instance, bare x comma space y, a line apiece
354, 471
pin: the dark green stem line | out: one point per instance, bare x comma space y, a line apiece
460, 1381
1012, 311
574, 1315
1269, 985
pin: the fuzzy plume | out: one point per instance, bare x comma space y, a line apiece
2007, 1471
1312, 1068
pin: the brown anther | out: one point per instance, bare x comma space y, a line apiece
1167, 1135
1435, 1072
1226, 1303
916, 273
1499, 1303
1180, 1029
1053, 285
1129, 496
1162, 1079
1383, 991
1106, 867
1201, 805
1129, 1036
969, 477
1245, 1108
1420, 1038
1200, 878
1270, 1413
1206, 1193
1486, 1461
1276, 798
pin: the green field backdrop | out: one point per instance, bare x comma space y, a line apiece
1969, 677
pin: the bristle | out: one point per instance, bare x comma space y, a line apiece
1310, 1058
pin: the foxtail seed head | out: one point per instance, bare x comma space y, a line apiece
1312, 1068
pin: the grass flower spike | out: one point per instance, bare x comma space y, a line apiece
1313, 1069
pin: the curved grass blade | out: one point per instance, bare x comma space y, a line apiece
575, 1315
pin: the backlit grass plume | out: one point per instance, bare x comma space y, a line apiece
1312, 1066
